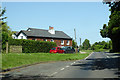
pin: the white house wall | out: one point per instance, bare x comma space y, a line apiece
14, 36
21, 34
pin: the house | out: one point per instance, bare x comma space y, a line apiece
59, 37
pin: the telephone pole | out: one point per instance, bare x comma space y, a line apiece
80, 41
76, 50
75, 34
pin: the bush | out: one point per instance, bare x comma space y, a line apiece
31, 46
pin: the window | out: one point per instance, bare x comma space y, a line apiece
21, 37
34, 39
68, 42
52, 40
44, 39
62, 42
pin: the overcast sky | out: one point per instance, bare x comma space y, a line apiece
86, 17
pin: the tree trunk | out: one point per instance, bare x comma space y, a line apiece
116, 44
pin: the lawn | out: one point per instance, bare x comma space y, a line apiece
11, 60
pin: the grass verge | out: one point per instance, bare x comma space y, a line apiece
19, 59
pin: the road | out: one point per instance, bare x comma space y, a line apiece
96, 65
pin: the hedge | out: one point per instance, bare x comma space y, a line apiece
31, 46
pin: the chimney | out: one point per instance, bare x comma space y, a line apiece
51, 30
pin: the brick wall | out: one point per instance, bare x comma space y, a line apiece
57, 41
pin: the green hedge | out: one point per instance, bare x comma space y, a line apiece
31, 46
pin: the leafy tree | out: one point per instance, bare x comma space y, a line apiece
74, 44
5, 31
86, 44
112, 30
101, 45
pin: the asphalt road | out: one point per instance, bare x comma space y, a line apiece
97, 65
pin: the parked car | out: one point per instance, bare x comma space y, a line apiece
68, 49
56, 50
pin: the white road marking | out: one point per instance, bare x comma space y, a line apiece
108, 57
89, 55
71, 63
62, 69
74, 62
67, 66
54, 73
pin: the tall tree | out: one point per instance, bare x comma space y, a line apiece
112, 30
5, 31
86, 44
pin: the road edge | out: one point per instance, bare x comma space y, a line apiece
89, 55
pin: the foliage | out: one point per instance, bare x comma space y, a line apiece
2, 12
5, 31
101, 46
74, 44
6, 34
86, 44
112, 30
30, 46
18, 59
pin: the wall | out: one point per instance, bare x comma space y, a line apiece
57, 41
14, 36
15, 49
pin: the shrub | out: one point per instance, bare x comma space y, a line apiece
31, 46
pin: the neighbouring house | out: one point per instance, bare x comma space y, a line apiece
59, 37
14, 35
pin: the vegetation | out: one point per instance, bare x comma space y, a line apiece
101, 46
87, 51
74, 44
31, 46
5, 31
112, 30
16, 59
86, 44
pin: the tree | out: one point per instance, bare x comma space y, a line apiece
5, 31
86, 44
74, 44
112, 30
101, 45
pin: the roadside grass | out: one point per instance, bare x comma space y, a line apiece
11, 60
101, 50
87, 51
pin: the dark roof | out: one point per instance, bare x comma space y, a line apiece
44, 33
16, 32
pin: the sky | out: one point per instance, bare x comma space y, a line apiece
86, 17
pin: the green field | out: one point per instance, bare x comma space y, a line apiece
11, 60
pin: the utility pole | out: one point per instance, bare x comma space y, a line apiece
75, 34
75, 41
80, 42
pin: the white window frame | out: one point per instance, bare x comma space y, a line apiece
62, 42
45, 40
68, 42
52, 40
